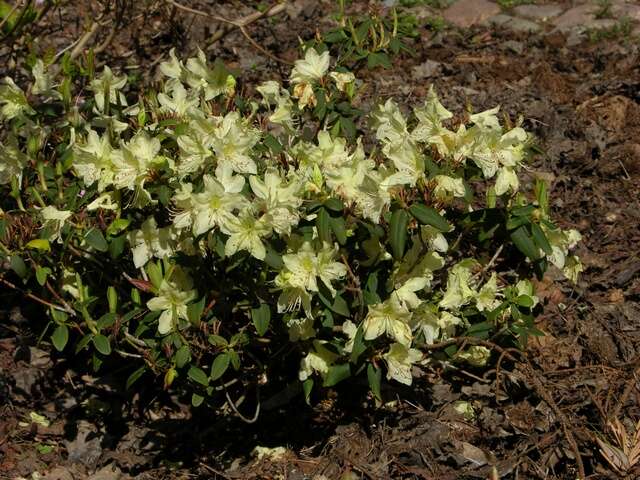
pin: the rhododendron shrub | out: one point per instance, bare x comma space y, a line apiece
214, 240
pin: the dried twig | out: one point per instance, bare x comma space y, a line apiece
239, 24
35, 298
234, 407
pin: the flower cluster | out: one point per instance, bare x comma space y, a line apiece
353, 246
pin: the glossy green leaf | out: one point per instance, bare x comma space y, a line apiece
102, 344
374, 376
39, 244
323, 224
95, 239
523, 241
197, 375
540, 238
182, 356
219, 366
195, 310
261, 317
429, 216
60, 337
336, 374
398, 233
339, 229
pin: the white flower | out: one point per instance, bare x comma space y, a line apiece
13, 100
458, 292
246, 233
486, 299
172, 299
12, 161
399, 360
389, 317
342, 79
108, 84
150, 241
319, 360
312, 68
54, 220
476, 355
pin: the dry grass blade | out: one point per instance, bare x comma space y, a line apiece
626, 454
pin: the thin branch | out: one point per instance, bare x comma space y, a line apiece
35, 298
81, 42
239, 24
10, 14
237, 412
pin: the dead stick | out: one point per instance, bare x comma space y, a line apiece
35, 298
239, 24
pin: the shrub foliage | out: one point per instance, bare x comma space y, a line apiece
214, 240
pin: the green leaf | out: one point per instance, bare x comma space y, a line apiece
235, 359
358, 345
60, 337
429, 216
107, 320
261, 317
515, 222
348, 127
133, 378
525, 243
155, 274
340, 306
524, 301
480, 330
196, 400
273, 144
307, 386
194, 311
540, 238
18, 266
83, 342
95, 239
117, 226
334, 204
197, 375
41, 275
217, 341
102, 344
398, 232
334, 36
219, 366
182, 356
378, 58
324, 226
525, 211
339, 229
374, 375
336, 374
39, 244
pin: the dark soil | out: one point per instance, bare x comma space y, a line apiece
532, 416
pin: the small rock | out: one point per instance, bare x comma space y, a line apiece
580, 16
110, 472
465, 13
602, 24
86, 448
541, 13
427, 69
58, 473
515, 47
514, 23
621, 9
300, 7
